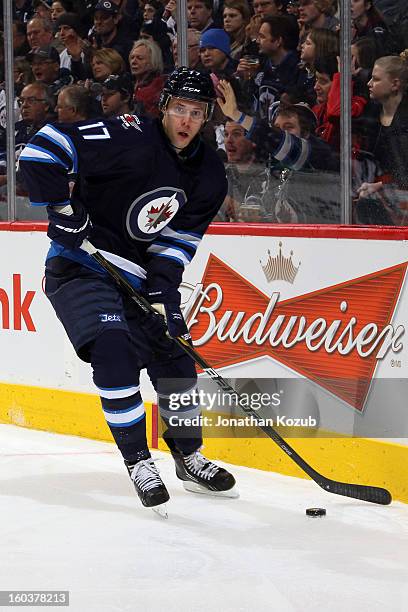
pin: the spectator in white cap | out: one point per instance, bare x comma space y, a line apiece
215, 52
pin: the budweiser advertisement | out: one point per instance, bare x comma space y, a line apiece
322, 322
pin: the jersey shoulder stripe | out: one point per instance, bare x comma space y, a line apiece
53, 134
34, 153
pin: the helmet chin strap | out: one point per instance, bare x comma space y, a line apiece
177, 149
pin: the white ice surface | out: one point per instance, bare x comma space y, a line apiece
71, 520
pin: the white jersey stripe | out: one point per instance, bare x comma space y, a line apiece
29, 153
169, 252
125, 417
48, 130
124, 264
189, 238
118, 393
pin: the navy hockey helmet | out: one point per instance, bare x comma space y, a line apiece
190, 85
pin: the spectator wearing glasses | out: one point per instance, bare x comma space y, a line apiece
117, 95
45, 64
146, 66
36, 108
193, 49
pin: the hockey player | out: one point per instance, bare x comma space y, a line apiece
145, 193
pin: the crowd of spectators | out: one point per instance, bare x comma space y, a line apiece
276, 68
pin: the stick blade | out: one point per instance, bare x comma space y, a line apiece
375, 495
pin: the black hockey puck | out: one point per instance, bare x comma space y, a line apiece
316, 511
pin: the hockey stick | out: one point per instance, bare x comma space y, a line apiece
375, 495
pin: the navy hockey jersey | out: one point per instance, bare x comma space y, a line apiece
149, 207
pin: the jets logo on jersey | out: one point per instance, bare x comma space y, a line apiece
152, 211
129, 121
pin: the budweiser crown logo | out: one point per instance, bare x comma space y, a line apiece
280, 267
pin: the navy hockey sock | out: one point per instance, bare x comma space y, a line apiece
116, 375
126, 419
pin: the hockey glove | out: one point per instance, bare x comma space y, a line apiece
167, 303
67, 229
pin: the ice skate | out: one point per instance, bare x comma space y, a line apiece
200, 475
149, 486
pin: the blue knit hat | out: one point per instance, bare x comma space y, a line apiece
216, 38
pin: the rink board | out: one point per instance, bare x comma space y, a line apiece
44, 386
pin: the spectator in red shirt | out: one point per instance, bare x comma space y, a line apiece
327, 110
146, 66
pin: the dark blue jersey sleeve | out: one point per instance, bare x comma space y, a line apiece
93, 148
45, 163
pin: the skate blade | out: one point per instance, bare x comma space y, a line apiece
161, 511
194, 487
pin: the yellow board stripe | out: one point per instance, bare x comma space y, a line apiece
358, 460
